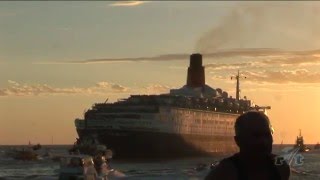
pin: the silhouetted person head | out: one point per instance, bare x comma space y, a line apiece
253, 134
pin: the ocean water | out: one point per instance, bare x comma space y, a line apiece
184, 169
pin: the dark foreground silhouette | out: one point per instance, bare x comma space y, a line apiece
254, 160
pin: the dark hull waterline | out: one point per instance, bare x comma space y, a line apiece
134, 144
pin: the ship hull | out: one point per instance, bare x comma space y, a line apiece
135, 144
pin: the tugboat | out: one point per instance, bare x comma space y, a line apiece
300, 144
88, 146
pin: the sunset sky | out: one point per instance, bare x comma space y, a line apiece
58, 58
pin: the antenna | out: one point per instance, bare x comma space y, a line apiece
300, 132
238, 85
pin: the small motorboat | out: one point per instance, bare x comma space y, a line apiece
72, 166
23, 153
88, 145
79, 166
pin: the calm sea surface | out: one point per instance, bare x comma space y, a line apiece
47, 169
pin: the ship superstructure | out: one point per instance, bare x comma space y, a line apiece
193, 120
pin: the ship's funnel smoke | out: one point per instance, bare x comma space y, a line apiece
291, 26
195, 77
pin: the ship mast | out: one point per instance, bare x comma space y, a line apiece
300, 132
238, 85
238, 88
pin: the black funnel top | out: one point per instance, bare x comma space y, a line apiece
196, 77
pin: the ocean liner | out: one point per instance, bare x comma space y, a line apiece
191, 121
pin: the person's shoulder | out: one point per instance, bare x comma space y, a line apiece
225, 170
284, 170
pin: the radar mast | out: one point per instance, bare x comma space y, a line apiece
237, 77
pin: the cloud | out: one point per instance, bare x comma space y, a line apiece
100, 88
263, 59
103, 84
157, 89
250, 57
284, 76
164, 57
128, 3
225, 53
275, 62
17, 89
293, 60
231, 66
79, 62
244, 52
118, 87
301, 76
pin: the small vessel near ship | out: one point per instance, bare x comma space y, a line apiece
25, 153
80, 167
300, 144
89, 146
193, 120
